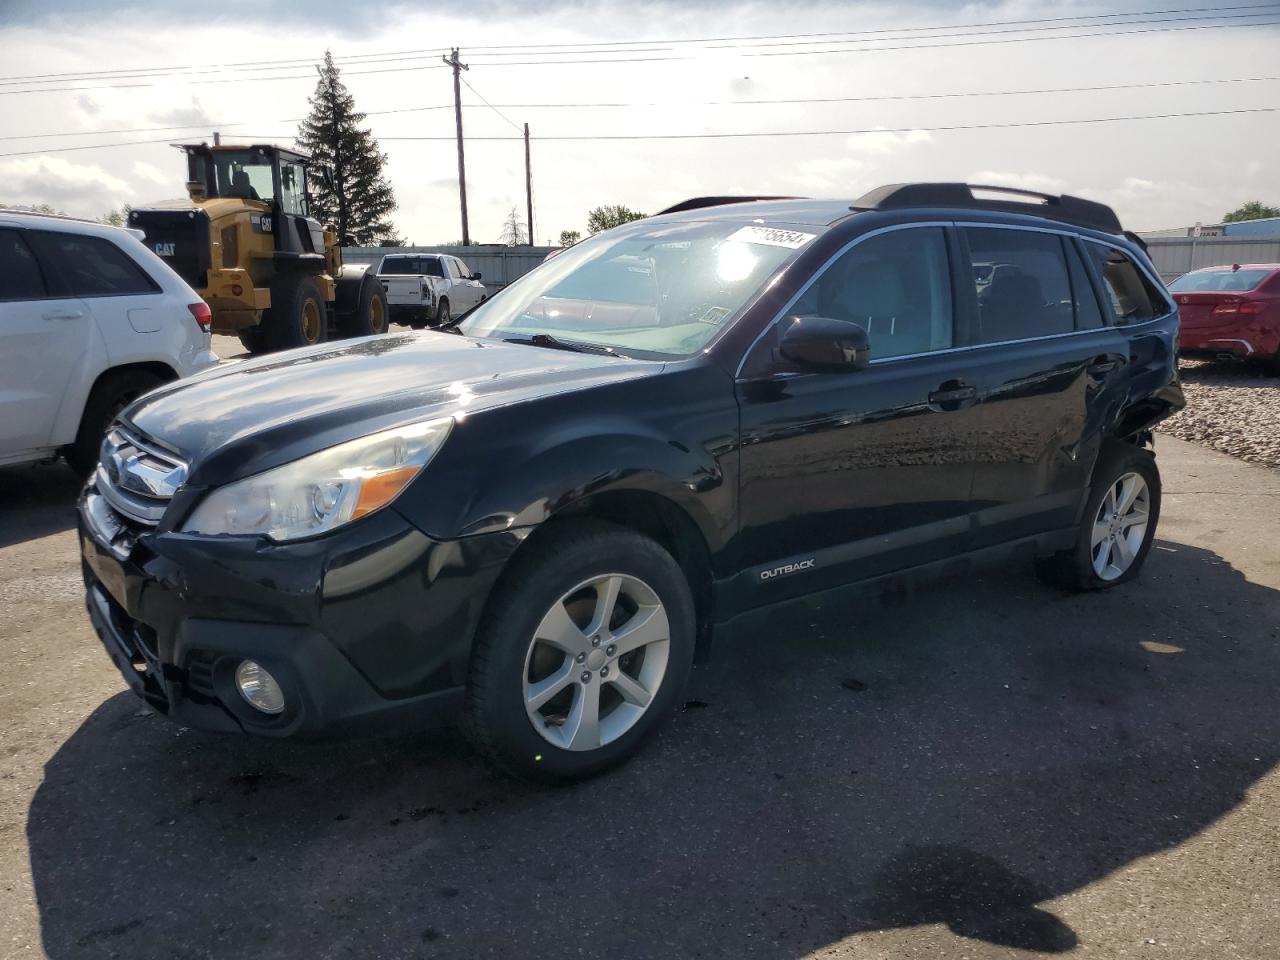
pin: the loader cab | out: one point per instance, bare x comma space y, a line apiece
260, 174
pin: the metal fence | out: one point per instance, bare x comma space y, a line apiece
1175, 256
498, 266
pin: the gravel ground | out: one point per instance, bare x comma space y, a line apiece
1232, 408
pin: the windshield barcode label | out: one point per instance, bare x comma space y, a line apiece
771, 236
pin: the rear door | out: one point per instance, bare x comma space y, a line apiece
1048, 366
43, 337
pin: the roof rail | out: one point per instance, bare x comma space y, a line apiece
52, 216
1069, 209
697, 203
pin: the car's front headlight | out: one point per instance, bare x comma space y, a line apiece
323, 490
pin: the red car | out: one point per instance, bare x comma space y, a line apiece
1230, 312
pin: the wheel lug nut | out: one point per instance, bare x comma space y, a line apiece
595, 641
604, 672
580, 657
586, 676
611, 649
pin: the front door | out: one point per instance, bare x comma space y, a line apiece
851, 475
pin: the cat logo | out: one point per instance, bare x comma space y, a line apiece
165, 249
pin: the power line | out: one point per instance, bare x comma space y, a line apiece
490, 105
579, 138
876, 98
199, 78
380, 56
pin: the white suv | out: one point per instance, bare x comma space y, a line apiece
89, 320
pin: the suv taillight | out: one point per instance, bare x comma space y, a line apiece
202, 314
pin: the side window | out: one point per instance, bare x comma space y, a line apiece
1021, 280
453, 268
1088, 313
20, 276
92, 266
1132, 298
292, 180
463, 270
431, 267
897, 286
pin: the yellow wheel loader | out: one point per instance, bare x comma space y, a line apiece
245, 241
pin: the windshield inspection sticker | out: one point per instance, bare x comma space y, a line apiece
771, 236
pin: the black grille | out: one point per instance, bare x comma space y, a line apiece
180, 238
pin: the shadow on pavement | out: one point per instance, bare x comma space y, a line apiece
36, 501
959, 756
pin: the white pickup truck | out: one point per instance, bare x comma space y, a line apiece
427, 289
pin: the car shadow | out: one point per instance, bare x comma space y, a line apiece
36, 501
961, 754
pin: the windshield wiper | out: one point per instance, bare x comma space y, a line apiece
555, 343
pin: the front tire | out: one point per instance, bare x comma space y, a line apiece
583, 650
110, 395
1117, 526
297, 317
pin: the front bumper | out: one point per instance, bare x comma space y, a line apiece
369, 627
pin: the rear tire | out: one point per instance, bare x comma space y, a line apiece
603, 699
297, 317
442, 312
110, 395
372, 316
1117, 526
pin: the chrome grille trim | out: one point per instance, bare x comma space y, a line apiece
136, 477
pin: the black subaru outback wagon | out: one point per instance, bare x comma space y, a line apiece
534, 518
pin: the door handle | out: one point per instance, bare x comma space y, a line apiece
953, 395
64, 315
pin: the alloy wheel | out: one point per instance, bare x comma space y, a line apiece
596, 661
1120, 526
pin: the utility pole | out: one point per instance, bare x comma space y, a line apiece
528, 183
458, 65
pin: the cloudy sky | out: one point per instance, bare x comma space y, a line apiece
79, 73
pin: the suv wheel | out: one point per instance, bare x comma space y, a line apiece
111, 394
442, 312
1119, 523
584, 649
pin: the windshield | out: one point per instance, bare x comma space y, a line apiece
241, 173
1212, 281
659, 290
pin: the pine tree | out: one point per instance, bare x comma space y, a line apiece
360, 200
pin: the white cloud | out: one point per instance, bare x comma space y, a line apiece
1039, 182
885, 141
77, 188
146, 171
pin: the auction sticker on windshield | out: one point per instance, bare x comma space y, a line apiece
772, 236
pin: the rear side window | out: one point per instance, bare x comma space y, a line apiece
92, 266
897, 286
1131, 298
453, 268
20, 277
1088, 312
1022, 284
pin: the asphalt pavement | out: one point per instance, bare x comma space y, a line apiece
979, 767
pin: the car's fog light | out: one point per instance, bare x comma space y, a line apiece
259, 688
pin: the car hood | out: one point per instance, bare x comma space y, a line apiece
248, 416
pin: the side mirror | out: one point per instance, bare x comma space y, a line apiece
474, 276
825, 345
